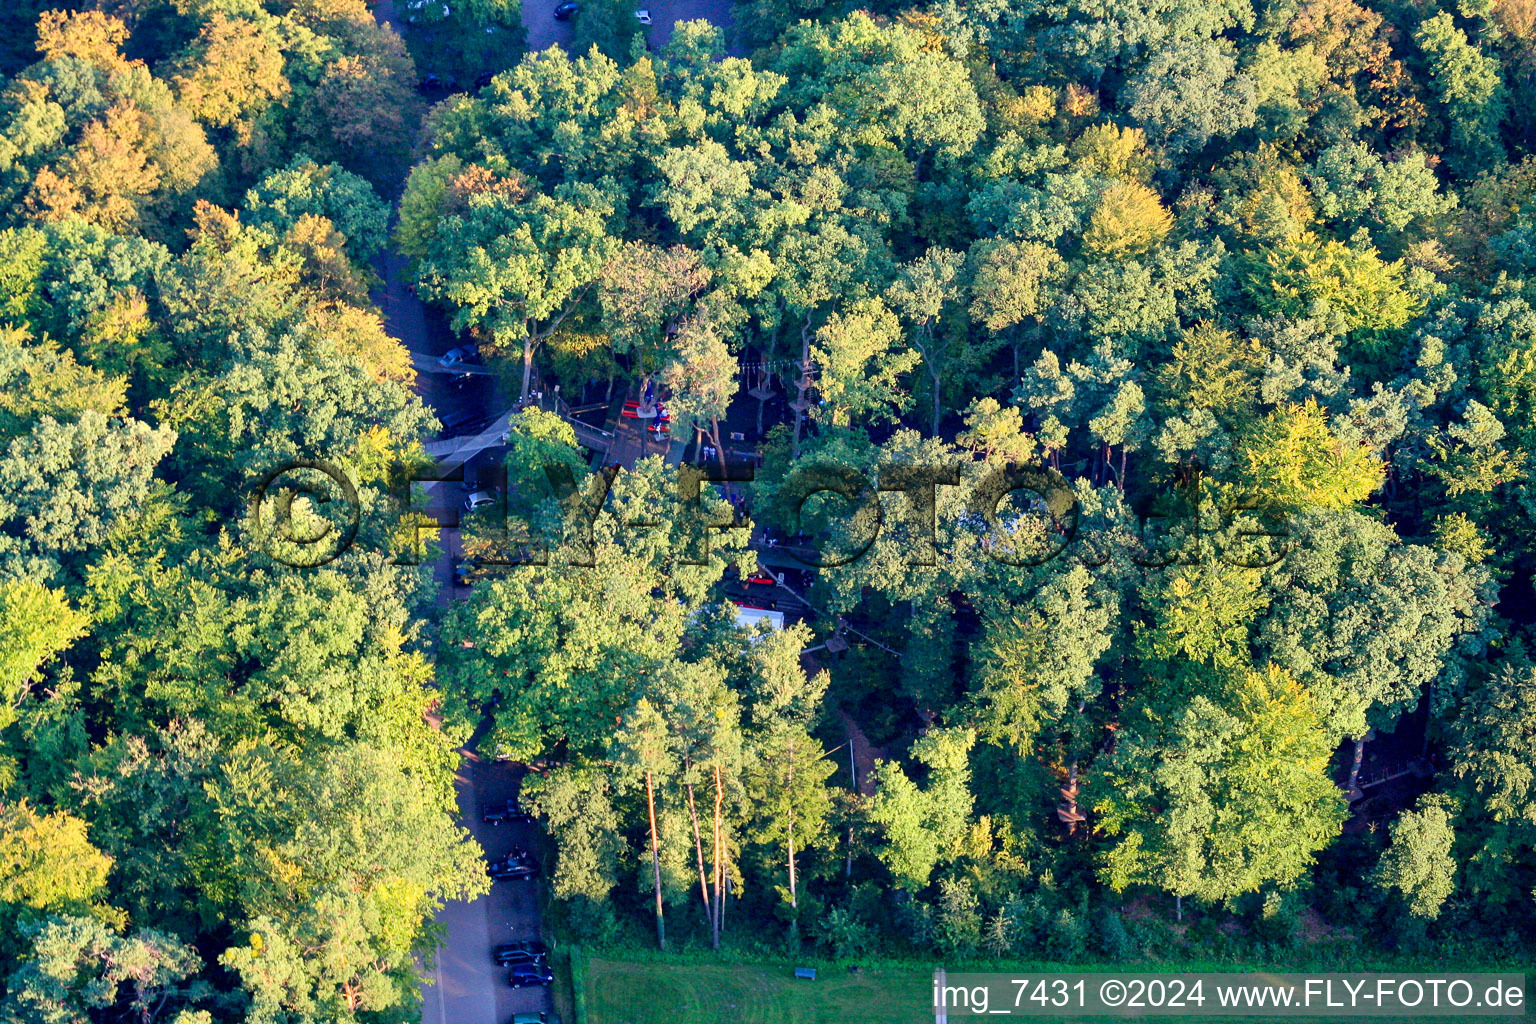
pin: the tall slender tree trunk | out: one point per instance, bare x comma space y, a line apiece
934, 374
853, 775
698, 848
794, 900
803, 385
1178, 907
714, 422
650, 802
719, 874
1070, 794
1354, 768
527, 366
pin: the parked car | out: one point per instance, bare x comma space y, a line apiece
565, 10
536, 1017
509, 811
462, 421
522, 960
464, 571
515, 873
483, 79
463, 355
479, 500
524, 975
532, 946
517, 856
643, 17
761, 579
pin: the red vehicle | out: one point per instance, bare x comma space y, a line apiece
762, 579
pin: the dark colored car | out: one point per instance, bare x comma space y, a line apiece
463, 421
483, 79
464, 571
522, 960
565, 10
530, 946
510, 811
524, 975
517, 856
515, 872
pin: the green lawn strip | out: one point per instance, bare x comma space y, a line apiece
630, 992
656, 992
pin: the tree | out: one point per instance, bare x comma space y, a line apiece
926, 287
1128, 220
1470, 87
921, 828
363, 109
336, 889
77, 965
422, 203
1035, 667
788, 769
36, 625
1257, 745
1492, 757
231, 72
576, 805
1350, 290
1189, 93
643, 748
1418, 863
67, 486
646, 291
996, 432
47, 863
1291, 459
1366, 621
1012, 284
858, 364
284, 197
515, 269
700, 381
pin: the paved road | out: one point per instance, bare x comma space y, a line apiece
467, 987
464, 987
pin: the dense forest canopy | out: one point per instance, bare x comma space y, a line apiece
1241, 277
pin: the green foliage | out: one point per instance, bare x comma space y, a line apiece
1291, 459
1258, 744
77, 965
922, 827
1244, 277
1418, 863
36, 624
1469, 85
1349, 290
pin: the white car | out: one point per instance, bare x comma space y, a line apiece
479, 500
643, 17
